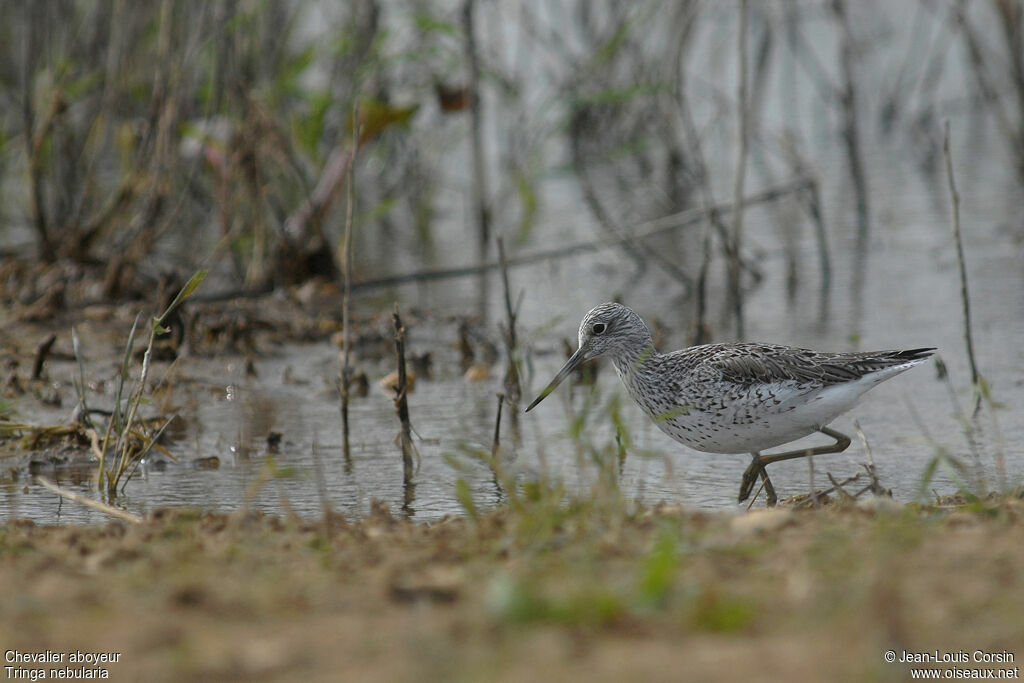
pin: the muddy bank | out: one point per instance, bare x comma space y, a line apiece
587, 591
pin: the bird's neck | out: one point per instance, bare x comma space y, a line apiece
630, 363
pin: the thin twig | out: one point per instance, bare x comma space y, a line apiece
839, 487
976, 379
89, 502
512, 384
346, 367
401, 405
869, 466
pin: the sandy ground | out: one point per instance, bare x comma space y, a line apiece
540, 592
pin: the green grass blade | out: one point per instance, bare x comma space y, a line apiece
185, 293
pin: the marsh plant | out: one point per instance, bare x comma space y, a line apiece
126, 441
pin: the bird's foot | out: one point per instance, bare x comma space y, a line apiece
747, 485
754, 470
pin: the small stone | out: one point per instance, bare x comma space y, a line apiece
391, 381
884, 504
761, 521
478, 372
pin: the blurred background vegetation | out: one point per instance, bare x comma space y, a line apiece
141, 136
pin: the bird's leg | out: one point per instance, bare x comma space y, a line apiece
755, 469
757, 466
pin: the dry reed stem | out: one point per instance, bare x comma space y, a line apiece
401, 404
346, 367
976, 378
869, 466
513, 388
497, 428
89, 502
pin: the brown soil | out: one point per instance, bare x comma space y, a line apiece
542, 592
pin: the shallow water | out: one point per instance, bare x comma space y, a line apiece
908, 296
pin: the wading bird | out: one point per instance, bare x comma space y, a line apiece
735, 398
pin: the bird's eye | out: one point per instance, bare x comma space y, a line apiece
598, 328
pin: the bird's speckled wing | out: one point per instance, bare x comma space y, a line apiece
749, 364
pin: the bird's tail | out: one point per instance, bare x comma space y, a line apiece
913, 354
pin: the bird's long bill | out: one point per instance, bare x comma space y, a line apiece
574, 361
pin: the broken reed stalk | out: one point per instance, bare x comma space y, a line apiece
512, 384
89, 502
735, 291
401, 405
497, 429
346, 367
42, 353
869, 466
851, 132
836, 486
976, 379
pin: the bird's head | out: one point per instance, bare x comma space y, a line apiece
606, 329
